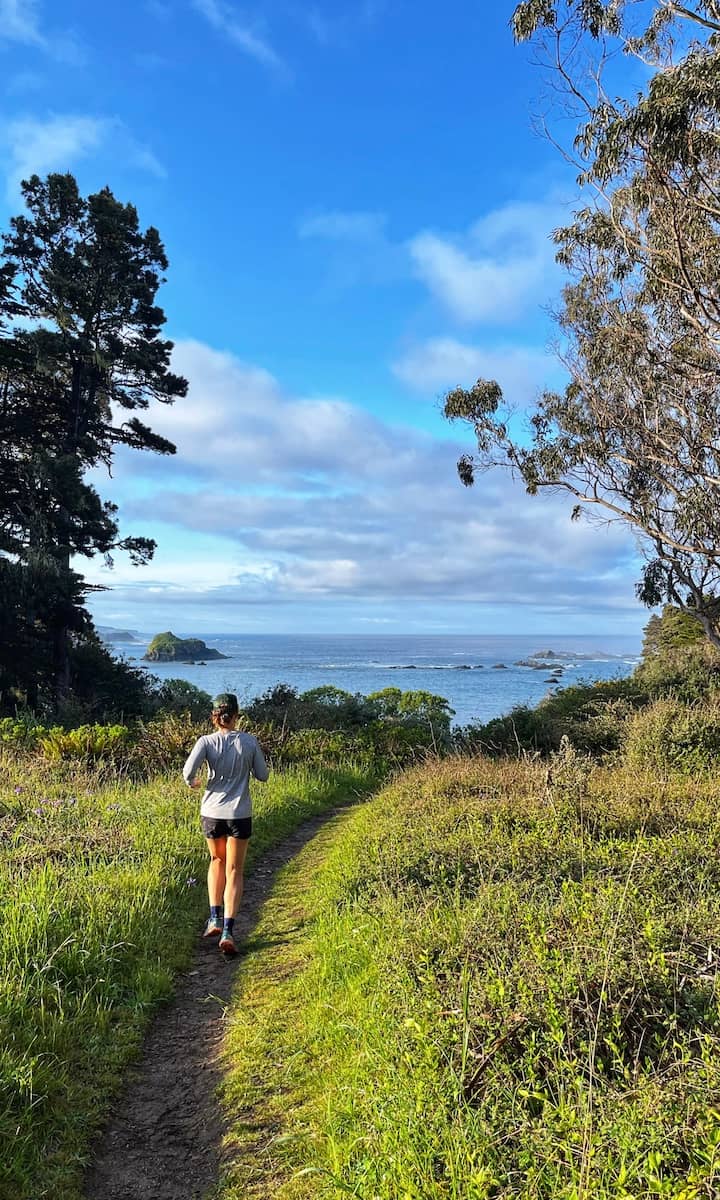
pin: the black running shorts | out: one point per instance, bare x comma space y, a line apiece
216, 827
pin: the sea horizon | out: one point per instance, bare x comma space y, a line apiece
480, 675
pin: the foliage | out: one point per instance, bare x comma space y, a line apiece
676, 660
163, 743
20, 732
672, 736
87, 742
415, 707
327, 707
177, 696
635, 434
691, 675
103, 687
331, 708
591, 716
79, 282
672, 630
517, 1000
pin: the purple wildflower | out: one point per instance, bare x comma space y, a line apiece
191, 882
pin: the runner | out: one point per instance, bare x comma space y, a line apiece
226, 811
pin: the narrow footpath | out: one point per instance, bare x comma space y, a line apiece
164, 1140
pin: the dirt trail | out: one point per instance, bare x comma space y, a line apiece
164, 1139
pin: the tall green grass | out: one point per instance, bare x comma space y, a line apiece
513, 991
89, 872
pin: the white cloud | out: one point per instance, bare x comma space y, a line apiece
360, 250
315, 498
21, 21
338, 23
504, 264
39, 146
33, 145
344, 226
240, 423
441, 363
142, 157
225, 20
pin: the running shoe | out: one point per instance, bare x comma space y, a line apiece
213, 928
227, 944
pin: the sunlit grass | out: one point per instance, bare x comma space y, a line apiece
90, 871
510, 990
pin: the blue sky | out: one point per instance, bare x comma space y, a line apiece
357, 214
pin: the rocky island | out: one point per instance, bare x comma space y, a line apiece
166, 647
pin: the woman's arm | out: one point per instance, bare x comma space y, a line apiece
195, 760
260, 769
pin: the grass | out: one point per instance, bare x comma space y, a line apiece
508, 988
266, 1068
89, 869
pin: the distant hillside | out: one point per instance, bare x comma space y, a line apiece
108, 634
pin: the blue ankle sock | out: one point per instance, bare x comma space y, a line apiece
216, 911
228, 924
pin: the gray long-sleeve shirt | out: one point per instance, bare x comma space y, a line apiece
232, 757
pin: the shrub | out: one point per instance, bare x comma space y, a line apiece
671, 736
177, 697
163, 743
592, 716
20, 732
691, 674
87, 742
105, 688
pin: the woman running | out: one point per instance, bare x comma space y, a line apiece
226, 811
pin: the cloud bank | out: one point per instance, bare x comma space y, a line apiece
316, 500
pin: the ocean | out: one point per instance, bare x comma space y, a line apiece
478, 675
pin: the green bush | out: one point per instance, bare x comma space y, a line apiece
592, 716
177, 697
330, 708
20, 732
87, 742
163, 743
690, 674
671, 736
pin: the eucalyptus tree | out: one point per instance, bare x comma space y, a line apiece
81, 355
635, 435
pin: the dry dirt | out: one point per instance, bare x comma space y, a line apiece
164, 1139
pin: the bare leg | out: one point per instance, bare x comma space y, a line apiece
216, 870
234, 867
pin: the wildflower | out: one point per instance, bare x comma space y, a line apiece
191, 882
18, 790
38, 812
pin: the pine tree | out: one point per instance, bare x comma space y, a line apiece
83, 277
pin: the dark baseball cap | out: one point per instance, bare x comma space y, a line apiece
226, 700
